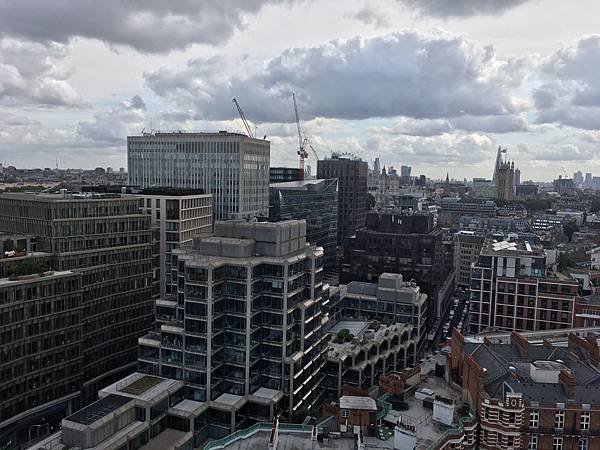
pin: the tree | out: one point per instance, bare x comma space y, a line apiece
344, 335
26, 266
569, 229
564, 262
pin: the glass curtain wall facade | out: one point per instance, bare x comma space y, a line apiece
316, 201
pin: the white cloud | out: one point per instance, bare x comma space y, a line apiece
32, 73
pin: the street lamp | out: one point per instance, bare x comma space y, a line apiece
37, 426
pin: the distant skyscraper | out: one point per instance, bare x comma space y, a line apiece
231, 166
405, 171
578, 179
377, 166
517, 177
588, 182
352, 191
308, 171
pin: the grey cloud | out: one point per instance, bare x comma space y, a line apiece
571, 95
32, 73
572, 116
408, 74
371, 15
461, 8
155, 26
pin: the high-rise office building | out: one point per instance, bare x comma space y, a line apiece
316, 201
352, 191
233, 167
108, 241
588, 182
178, 215
252, 341
405, 171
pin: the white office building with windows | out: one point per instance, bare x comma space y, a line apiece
233, 167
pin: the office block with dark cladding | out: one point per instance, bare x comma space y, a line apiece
352, 175
41, 352
405, 244
316, 201
108, 241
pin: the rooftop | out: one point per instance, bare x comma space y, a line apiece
513, 245
355, 402
290, 441
142, 387
427, 430
508, 363
98, 409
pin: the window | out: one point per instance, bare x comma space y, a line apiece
557, 443
559, 420
534, 418
584, 421
583, 444
533, 442
345, 413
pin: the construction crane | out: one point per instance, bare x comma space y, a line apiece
243, 117
302, 141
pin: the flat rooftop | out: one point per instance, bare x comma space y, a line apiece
428, 431
141, 385
356, 327
523, 245
98, 409
165, 440
290, 441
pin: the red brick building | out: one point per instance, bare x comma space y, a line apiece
530, 397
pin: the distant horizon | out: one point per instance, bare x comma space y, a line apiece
433, 84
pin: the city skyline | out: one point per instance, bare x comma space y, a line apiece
409, 81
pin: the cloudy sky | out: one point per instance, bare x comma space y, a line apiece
435, 84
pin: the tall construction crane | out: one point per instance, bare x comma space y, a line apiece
243, 117
302, 141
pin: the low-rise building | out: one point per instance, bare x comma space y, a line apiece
452, 208
530, 397
367, 354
